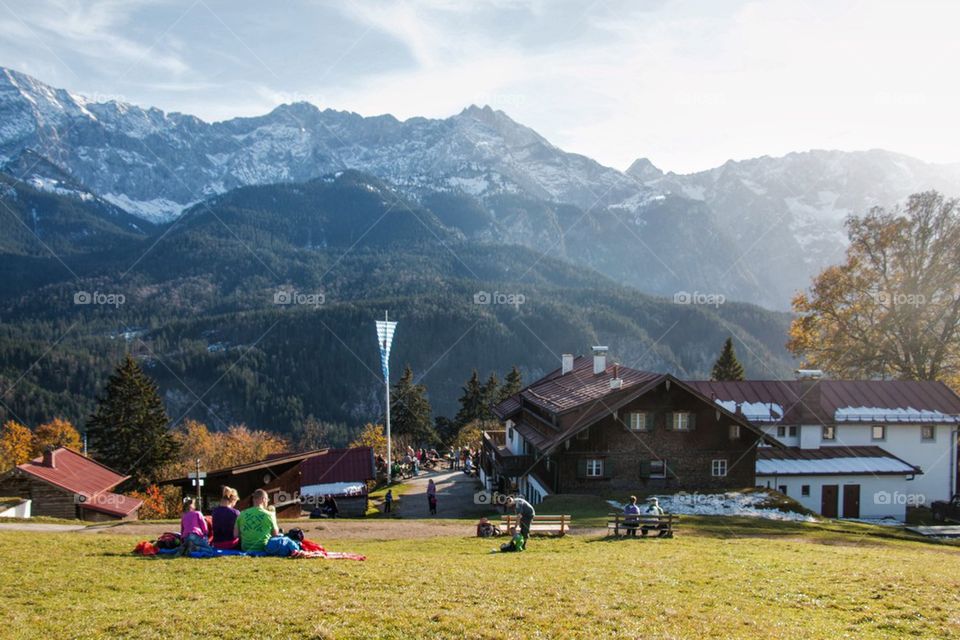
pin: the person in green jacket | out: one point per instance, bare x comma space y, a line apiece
256, 525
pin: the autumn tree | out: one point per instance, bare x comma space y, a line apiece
17, 445
216, 450
57, 433
727, 366
892, 309
372, 435
129, 430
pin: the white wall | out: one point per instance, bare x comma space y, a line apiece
514, 444
902, 440
880, 496
21, 510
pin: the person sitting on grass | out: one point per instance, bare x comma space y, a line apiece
630, 520
256, 525
192, 522
224, 519
525, 514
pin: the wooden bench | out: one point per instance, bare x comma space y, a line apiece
542, 524
655, 524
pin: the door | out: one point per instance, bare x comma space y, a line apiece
828, 500
851, 501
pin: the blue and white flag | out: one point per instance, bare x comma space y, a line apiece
385, 329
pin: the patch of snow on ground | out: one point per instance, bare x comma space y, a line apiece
156, 210
732, 503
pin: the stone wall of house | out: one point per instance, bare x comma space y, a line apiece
689, 455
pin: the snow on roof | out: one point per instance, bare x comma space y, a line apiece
887, 414
336, 489
831, 466
754, 411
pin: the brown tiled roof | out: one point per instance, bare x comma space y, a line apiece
822, 453
338, 465
817, 401
558, 392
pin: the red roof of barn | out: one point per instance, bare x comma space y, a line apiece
338, 465
78, 474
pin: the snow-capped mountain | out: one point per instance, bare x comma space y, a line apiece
755, 230
786, 215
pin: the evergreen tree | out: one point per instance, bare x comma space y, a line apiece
311, 434
471, 402
490, 395
727, 367
410, 411
128, 430
446, 429
512, 384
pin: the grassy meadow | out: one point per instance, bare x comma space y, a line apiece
719, 578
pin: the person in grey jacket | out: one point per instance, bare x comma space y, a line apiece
525, 513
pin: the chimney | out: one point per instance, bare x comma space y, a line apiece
567, 363
50, 458
615, 381
600, 359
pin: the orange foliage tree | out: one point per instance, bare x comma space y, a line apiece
17, 445
373, 436
56, 433
237, 445
892, 309
158, 502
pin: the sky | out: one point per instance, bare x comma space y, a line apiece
688, 85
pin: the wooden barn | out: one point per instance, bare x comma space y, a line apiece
594, 427
65, 484
296, 483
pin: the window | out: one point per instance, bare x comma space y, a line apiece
594, 468
781, 432
658, 468
928, 432
878, 432
793, 431
640, 421
719, 469
783, 489
830, 433
681, 421
805, 490
510, 434
734, 432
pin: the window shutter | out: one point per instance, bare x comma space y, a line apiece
644, 468
582, 468
691, 421
668, 420
607, 468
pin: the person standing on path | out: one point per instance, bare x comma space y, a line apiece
432, 496
388, 501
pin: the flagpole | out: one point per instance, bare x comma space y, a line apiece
386, 383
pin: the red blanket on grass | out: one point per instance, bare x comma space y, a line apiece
308, 549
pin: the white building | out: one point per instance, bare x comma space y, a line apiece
855, 449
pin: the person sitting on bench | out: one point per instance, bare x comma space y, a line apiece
654, 510
630, 520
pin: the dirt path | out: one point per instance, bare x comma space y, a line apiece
455, 496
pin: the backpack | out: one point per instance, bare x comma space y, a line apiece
295, 534
168, 540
